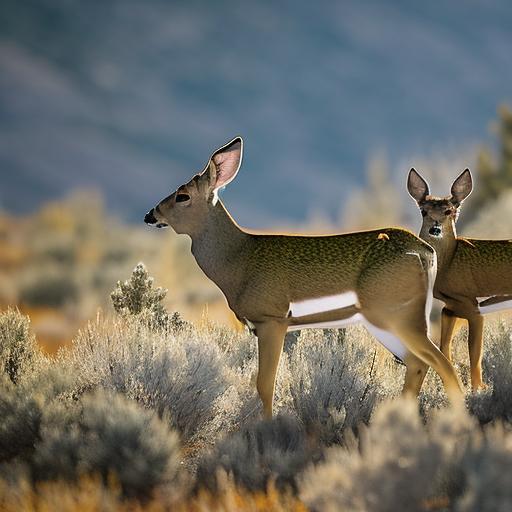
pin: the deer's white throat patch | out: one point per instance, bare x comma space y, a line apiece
322, 304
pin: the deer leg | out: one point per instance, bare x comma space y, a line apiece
475, 345
419, 344
270, 345
448, 321
414, 376
431, 355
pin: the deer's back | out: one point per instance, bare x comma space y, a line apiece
309, 259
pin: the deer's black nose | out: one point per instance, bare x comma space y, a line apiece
149, 218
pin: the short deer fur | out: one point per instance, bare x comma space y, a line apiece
278, 283
474, 276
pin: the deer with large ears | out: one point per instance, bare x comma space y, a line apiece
278, 283
474, 276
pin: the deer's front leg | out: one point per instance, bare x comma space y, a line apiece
475, 346
448, 320
270, 345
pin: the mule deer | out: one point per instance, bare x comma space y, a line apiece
279, 283
474, 276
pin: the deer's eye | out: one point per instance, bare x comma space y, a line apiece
181, 198
423, 213
447, 212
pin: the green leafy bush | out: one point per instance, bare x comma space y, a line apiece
137, 296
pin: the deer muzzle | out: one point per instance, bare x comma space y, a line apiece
435, 230
150, 218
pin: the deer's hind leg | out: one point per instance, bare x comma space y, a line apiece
422, 347
404, 314
411, 325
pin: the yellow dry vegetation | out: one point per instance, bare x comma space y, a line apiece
90, 495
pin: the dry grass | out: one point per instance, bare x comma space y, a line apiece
90, 495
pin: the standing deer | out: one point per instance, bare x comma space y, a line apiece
474, 276
279, 283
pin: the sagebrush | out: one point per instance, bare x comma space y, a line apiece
144, 410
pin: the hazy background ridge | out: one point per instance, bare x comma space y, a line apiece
131, 98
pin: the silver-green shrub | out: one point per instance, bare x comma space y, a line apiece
179, 372
337, 380
20, 420
274, 450
393, 468
397, 463
18, 347
495, 402
485, 467
109, 435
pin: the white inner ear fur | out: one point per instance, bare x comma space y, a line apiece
227, 162
322, 304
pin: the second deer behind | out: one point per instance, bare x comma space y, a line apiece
474, 276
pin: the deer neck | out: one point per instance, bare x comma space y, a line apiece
444, 245
219, 248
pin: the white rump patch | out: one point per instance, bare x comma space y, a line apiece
390, 341
334, 324
322, 304
493, 308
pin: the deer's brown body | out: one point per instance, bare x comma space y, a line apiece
279, 270
276, 283
474, 276
485, 264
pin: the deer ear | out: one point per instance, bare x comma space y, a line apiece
417, 186
462, 187
224, 164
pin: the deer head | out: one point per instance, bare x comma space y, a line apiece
187, 209
439, 213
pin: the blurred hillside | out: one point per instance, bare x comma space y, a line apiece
131, 97
61, 263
